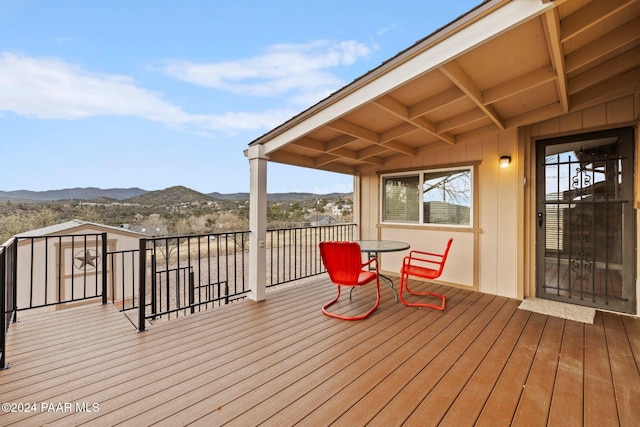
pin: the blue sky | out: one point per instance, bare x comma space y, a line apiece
152, 94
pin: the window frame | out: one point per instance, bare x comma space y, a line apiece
420, 173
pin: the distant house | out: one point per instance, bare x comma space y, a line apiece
337, 210
148, 231
323, 220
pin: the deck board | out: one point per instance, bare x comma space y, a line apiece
599, 397
423, 369
624, 371
568, 401
469, 403
500, 407
441, 397
281, 362
535, 401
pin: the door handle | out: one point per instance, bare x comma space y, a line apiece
539, 219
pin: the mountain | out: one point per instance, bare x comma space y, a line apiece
77, 193
171, 195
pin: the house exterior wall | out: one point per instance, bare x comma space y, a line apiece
498, 255
482, 257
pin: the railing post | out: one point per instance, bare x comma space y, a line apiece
154, 284
191, 292
142, 297
3, 305
104, 268
14, 279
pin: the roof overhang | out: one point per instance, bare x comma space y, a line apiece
502, 65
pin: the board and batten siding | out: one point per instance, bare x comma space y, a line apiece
498, 255
483, 257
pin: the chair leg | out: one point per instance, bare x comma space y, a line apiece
404, 284
362, 316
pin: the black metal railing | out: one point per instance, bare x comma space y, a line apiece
184, 274
61, 269
123, 277
174, 276
8, 258
293, 253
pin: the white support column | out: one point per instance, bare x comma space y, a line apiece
257, 222
356, 207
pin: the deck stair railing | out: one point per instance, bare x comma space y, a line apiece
179, 275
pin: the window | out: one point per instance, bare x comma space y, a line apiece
439, 196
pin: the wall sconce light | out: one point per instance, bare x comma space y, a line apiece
505, 161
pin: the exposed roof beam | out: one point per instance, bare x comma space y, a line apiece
310, 143
353, 129
345, 153
398, 131
309, 162
393, 106
366, 157
471, 116
429, 127
371, 151
357, 131
339, 142
551, 23
460, 78
519, 84
543, 113
607, 91
372, 160
590, 15
399, 147
605, 71
325, 159
621, 36
401, 111
440, 100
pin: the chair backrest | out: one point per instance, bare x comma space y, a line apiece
434, 262
343, 261
444, 256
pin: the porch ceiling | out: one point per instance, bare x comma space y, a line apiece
556, 58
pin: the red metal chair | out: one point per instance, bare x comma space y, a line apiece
426, 265
343, 261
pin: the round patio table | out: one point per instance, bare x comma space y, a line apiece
375, 247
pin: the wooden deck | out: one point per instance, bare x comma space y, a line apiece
281, 362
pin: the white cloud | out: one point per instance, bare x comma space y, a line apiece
299, 71
50, 88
